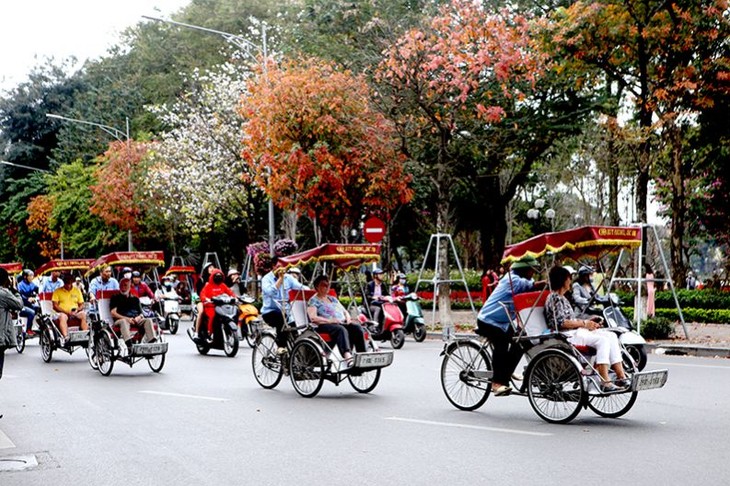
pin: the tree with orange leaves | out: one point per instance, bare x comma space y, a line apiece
116, 199
317, 146
40, 209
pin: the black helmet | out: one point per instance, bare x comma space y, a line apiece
136, 274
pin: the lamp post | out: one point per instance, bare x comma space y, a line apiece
250, 49
122, 136
534, 213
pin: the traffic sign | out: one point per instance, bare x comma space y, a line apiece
374, 230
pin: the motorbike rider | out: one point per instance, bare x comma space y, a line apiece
376, 293
127, 311
139, 288
29, 292
398, 290
215, 287
275, 287
583, 292
233, 281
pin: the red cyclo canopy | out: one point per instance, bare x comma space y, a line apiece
343, 256
61, 265
12, 268
129, 258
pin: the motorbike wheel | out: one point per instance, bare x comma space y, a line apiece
252, 333
156, 362
555, 387
638, 352
46, 342
306, 369
20, 340
105, 355
419, 333
267, 366
364, 382
230, 342
173, 325
397, 339
466, 375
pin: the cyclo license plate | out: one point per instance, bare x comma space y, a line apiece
375, 360
148, 349
648, 380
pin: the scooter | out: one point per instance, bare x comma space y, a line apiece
224, 327
170, 311
415, 323
392, 326
249, 320
614, 318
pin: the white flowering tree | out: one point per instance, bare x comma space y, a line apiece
195, 179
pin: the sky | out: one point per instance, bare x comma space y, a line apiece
33, 30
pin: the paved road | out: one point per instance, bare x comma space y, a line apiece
204, 420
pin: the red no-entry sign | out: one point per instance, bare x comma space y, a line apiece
374, 230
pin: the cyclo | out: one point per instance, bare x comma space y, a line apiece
14, 269
311, 357
50, 335
559, 378
182, 274
105, 339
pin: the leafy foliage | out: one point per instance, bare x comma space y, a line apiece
318, 147
40, 210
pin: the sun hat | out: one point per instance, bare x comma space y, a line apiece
585, 270
526, 262
570, 269
377, 271
294, 270
233, 271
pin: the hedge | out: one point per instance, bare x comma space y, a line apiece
698, 299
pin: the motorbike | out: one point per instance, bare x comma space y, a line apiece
391, 327
225, 328
415, 323
249, 320
614, 318
170, 303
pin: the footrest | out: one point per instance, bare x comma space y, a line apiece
77, 337
149, 349
373, 359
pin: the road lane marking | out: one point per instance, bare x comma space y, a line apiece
690, 365
181, 395
465, 426
5, 442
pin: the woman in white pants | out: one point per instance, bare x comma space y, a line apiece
559, 315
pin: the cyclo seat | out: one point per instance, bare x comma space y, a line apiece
298, 301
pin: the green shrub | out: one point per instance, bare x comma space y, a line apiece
698, 299
657, 328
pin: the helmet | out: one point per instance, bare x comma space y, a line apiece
585, 270
27, 272
233, 271
126, 269
136, 274
570, 269
377, 271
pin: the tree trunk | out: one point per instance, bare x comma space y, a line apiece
289, 225
443, 225
678, 206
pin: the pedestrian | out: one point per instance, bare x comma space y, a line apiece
10, 301
691, 281
650, 290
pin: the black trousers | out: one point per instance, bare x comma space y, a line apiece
343, 335
275, 319
506, 354
2, 360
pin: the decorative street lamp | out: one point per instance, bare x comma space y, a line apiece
122, 136
534, 213
250, 49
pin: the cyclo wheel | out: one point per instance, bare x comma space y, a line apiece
91, 350
267, 366
156, 362
306, 368
365, 381
555, 387
614, 405
466, 376
46, 343
105, 355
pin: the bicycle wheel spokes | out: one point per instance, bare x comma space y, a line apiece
466, 375
555, 387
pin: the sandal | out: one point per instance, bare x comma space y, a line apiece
608, 386
502, 391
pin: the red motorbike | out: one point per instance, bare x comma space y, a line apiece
391, 325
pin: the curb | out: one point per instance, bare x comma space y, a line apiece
651, 347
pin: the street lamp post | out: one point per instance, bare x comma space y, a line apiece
248, 48
122, 136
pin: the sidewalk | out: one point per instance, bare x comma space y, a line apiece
706, 340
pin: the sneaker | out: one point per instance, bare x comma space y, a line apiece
517, 377
609, 387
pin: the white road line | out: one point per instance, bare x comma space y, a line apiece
689, 365
181, 395
464, 426
5, 442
